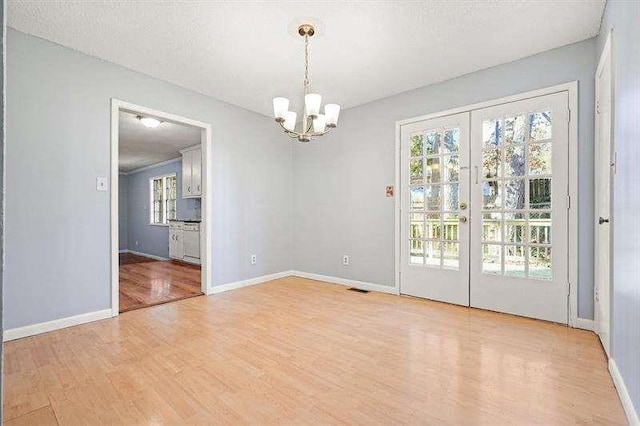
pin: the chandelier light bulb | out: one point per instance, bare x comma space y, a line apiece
280, 108
319, 124
312, 102
332, 112
290, 120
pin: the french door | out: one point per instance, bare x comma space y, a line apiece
495, 235
434, 225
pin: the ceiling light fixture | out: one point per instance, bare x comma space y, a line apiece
149, 121
314, 124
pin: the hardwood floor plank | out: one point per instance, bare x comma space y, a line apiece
298, 351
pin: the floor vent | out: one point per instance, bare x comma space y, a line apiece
359, 290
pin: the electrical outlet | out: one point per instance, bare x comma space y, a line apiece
345, 260
254, 259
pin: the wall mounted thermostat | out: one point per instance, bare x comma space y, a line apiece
102, 184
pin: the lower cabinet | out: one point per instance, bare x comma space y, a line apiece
184, 241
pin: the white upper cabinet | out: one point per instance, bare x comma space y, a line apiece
192, 172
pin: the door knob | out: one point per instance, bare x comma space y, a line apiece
463, 219
463, 206
602, 220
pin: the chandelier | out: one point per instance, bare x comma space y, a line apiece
314, 124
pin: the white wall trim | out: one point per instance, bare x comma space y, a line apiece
249, 282
572, 89
625, 398
44, 327
347, 282
585, 324
207, 192
151, 166
139, 253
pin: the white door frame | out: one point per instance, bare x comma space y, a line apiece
604, 56
572, 89
207, 193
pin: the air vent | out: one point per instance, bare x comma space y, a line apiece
359, 290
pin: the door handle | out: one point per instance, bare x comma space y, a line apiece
463, 219
602, 220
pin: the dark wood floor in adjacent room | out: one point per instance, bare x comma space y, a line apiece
148, 282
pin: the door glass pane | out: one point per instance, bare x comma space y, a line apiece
451, 166
514, 194
491, 163
540, 125
433, 253
540, 159
417, 170
432, 170
515, 261
492, 227
540, 228
417, 198
451, 141
416, 145
433, 226
451, 197
540, 263
432, 143
492, 133
491, 259
514, 129
416, 226
515, 225
416, 252
514, 161
432, 197
540, 194
492, 195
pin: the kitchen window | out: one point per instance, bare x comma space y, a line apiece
163, 191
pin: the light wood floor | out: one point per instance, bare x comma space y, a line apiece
303, 352
147, 282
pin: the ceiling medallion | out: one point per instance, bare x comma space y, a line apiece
314, 124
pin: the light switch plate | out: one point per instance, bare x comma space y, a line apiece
101, 184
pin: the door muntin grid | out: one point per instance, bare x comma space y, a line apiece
434, 169
515, 180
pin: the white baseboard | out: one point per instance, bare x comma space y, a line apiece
627, 404
249, 282
123, 251
44, 327
139, 253
350, 283
585, 324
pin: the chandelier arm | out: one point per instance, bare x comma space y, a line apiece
292, 134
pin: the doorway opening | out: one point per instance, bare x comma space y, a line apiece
159, 216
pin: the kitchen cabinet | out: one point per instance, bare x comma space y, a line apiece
184, 241
176, 240
192, 172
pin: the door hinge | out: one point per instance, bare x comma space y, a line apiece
597, 107
568, 114
568, 202
568, 287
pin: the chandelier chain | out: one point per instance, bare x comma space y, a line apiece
306, 63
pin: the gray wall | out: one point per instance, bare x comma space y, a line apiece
56, 217
122, 212
624, 18
339, 199
143, 237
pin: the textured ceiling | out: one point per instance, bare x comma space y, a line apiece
240, 51
141, 146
